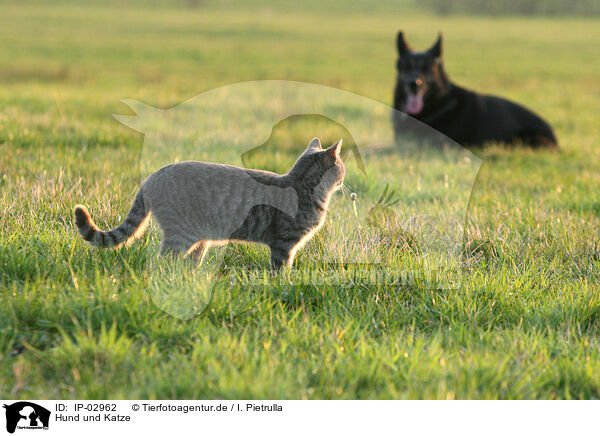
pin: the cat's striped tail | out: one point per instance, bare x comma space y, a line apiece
133, 226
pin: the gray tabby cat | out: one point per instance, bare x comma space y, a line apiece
200, 204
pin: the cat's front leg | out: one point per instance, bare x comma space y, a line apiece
281, 255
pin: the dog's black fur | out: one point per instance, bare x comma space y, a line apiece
424, 92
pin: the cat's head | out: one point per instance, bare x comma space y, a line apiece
319, 166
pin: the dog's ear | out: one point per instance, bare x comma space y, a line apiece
436, 49
403, 47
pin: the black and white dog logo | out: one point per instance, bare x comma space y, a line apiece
26, 415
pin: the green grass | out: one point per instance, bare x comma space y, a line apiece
77, 323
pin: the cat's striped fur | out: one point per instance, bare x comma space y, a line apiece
198, 204
135, 223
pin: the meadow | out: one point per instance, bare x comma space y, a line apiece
78, 323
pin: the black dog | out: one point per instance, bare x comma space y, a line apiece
424, 92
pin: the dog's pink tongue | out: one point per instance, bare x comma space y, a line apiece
414, 105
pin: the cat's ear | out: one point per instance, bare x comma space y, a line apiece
334, 150
314, 144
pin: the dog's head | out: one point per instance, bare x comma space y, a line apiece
421, 76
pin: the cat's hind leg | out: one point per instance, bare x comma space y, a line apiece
198, 251
174, 246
